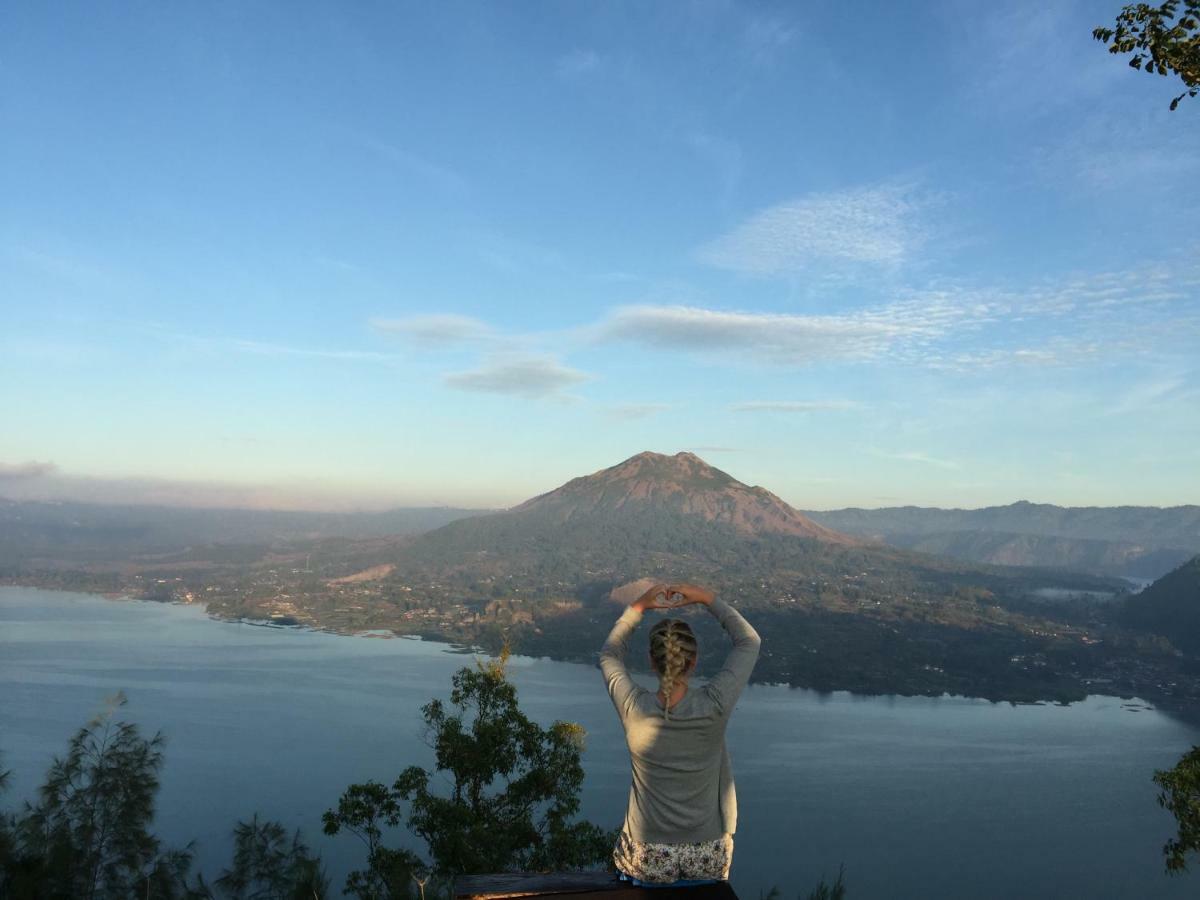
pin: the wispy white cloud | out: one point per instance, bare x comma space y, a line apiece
61, 261
1075, 320
791, 339
916, 456
795, 406
577, 62
434, 174
525, 376
765, 37
224, 345
1108, 152
631, 411
439, 330
876, 225
1147, 396
1053, 353
263, 348
1004, 57
332, 262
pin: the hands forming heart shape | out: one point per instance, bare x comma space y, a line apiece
671, 596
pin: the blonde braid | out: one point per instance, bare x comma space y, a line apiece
672, 651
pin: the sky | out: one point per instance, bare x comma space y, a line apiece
318, 255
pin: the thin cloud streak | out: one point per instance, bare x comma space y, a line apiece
530, 376
795, 406
577, 62
220, 345
440, 330
916, 456
634, 411
261, 348
441, 178
875, 226
790, 339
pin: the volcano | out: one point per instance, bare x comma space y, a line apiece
649, 504
680, 485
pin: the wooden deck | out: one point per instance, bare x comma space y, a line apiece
578, 886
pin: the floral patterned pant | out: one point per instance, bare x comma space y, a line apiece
672, 862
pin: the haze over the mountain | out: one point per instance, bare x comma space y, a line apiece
89, 532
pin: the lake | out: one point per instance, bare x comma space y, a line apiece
918, 797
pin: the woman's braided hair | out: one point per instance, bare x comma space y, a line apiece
672, 651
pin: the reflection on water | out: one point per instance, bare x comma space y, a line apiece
919, 797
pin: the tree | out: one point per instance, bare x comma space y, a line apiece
1160, 44
267, 865
514, 789
88, 836
7, 845
1181, 795
363, 810
90, 828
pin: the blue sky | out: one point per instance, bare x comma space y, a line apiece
341, 255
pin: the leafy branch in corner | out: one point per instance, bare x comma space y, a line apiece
1180, 794
1161, 43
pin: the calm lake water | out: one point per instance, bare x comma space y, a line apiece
919, 798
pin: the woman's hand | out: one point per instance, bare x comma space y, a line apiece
650, 599
666, 596
692, 593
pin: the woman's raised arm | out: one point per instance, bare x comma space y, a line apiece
621, 688
726, 686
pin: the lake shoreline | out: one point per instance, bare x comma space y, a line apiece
1184, 712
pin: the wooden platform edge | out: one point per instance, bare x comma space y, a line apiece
578, 885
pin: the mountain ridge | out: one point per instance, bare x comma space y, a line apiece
1141, 541
685, 482
1171, 606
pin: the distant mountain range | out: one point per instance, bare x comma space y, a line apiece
837, 610
85, 532
1139, 542
679, 517
1136, 541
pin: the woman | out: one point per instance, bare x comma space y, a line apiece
682, 808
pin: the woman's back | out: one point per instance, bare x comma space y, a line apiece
682, 788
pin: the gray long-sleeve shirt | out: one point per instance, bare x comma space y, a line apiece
682, 788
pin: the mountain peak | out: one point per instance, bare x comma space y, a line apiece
682, 484
682, 468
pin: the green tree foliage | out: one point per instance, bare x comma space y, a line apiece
89, 832
1162, 40
513, 789
1180, 793
364, 810
826, 891
7, 845
270, 865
